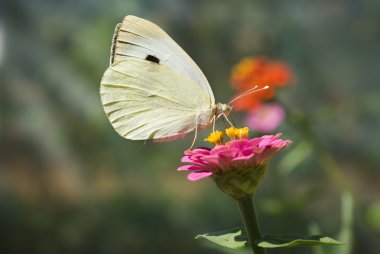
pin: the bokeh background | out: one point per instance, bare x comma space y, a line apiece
70, 184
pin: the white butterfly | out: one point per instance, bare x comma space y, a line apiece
153, 89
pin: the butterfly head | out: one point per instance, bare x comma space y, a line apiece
223, 109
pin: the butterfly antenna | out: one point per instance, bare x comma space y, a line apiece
249, 91
244, 93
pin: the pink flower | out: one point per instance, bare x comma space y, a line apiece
266, 118
235, 155
237, 167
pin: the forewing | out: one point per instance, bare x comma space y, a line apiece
138, 38
145, 100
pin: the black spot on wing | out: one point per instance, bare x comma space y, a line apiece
152, 59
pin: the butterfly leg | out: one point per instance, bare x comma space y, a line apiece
213, 119
228, 120
195, 137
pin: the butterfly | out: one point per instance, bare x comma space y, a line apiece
152, 89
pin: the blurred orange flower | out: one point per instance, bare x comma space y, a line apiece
259, 71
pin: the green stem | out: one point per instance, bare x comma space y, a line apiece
248, 214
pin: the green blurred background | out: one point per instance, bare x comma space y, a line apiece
70, 184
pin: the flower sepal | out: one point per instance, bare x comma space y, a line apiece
240, 183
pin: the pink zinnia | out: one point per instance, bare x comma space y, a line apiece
243, 153
237, 166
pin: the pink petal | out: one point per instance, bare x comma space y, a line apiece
243, 158
198, 151
218, 149
258, 150
266, 139
239, 144
195, 176
225, 153
212, 159
191, 159
186, 159
190, 167
246, 152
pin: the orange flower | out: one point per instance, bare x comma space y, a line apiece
259, 71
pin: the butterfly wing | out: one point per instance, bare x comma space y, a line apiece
137, 38
145, 100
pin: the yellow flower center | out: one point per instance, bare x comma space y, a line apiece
237, 133
215, 138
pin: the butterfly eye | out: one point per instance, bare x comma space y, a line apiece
152, 59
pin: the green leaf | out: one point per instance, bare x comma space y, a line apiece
231, 238
282, 241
